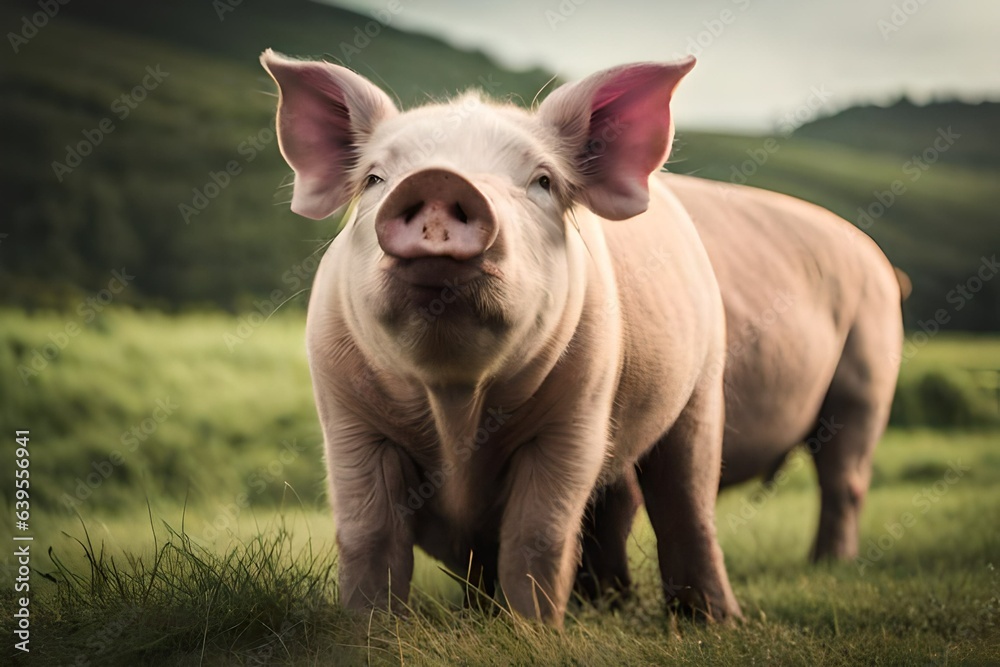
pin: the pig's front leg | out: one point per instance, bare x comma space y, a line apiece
551, 480
370, 476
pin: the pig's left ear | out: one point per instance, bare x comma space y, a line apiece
325, 112
616, 128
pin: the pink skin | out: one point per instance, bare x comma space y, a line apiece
814, 339
483, 355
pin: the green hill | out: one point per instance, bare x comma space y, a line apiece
68, 227
153, 194
905, 130
939, 226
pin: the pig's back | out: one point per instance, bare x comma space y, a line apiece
791, 275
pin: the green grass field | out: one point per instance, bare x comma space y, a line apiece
178, 500
210, 542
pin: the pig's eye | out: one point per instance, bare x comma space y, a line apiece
540, 189
373, 180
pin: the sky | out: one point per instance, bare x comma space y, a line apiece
761, 63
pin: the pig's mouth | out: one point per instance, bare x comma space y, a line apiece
446, 288
435, 272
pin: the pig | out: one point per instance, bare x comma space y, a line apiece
814, 342
484, 353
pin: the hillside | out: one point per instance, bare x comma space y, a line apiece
152, 195
68, 226
411, 66
904, 129
938, 229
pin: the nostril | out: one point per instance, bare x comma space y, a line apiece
411, 212
459, 213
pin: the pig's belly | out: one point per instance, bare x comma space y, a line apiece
787, 274
775, 386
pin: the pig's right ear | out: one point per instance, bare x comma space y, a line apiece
324, 113
615, 129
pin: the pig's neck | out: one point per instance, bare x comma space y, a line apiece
457, 410
471, 420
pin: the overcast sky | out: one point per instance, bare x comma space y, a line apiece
758, 60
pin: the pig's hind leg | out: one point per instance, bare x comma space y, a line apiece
851, 421
603, 573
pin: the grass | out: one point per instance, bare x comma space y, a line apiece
163, 563
237, 390
241, 416
266, 594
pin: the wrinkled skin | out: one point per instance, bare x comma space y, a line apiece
487, 348
814, 341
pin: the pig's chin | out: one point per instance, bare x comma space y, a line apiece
437, 319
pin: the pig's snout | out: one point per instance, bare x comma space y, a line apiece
436, 213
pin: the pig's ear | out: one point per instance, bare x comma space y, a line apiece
324, 113
616, 129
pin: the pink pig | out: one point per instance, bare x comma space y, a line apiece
514, 316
